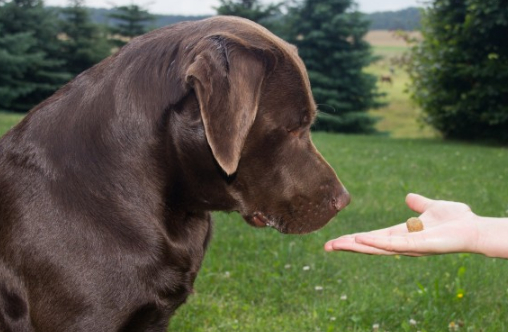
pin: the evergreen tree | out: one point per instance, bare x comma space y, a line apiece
15, 61
253, 10
459, 72
329, 35
84, 44
129, 22
43, 72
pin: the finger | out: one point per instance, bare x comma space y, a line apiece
344, 239
392, 230
348, 243
340, 242
396, 244
398, 229
418, 203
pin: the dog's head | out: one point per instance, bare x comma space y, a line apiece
256, 109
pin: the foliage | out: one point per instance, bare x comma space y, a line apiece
405, 19
132, 21
270, 16
459, 71
100, 16
329, 35
253, 10
85, 44
15, 61
33, 67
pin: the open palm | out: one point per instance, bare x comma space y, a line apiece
448, 227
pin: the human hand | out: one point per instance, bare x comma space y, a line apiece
449, 227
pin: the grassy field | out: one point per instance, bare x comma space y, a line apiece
7, 120
258, 280
400, 117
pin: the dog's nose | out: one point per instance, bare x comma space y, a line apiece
340, 200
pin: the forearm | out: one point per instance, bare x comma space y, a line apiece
492, 237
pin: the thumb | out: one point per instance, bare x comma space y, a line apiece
418, 203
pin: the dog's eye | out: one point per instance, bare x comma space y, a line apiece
297, 129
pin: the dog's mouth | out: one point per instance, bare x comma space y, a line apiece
301, 216
259, 219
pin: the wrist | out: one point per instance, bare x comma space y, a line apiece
492, 234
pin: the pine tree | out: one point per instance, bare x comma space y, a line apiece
329, 36
84, 44
15, 61
253, 10
270, 16
43, 73
129, 22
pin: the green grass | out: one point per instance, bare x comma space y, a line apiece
8, 120
387, 51
254, 280
400, 117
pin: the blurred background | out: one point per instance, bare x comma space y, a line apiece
411, 68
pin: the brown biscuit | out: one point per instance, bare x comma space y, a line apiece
414, 225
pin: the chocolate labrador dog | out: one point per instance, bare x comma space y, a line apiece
107, 186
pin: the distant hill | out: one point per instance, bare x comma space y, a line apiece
406, 19
100, 15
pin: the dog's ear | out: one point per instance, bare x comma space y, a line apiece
227, 76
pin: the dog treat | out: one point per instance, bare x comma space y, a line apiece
414, 225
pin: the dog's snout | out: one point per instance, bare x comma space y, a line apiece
340, 200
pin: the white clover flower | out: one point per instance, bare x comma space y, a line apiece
453, 326
306, 268
318, 288
343, 297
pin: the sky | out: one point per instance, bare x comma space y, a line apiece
205, 7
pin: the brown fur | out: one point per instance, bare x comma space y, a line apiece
106, 186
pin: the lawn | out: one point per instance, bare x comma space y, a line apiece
259, 280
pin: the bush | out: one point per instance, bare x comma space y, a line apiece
459, 72
353, 122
